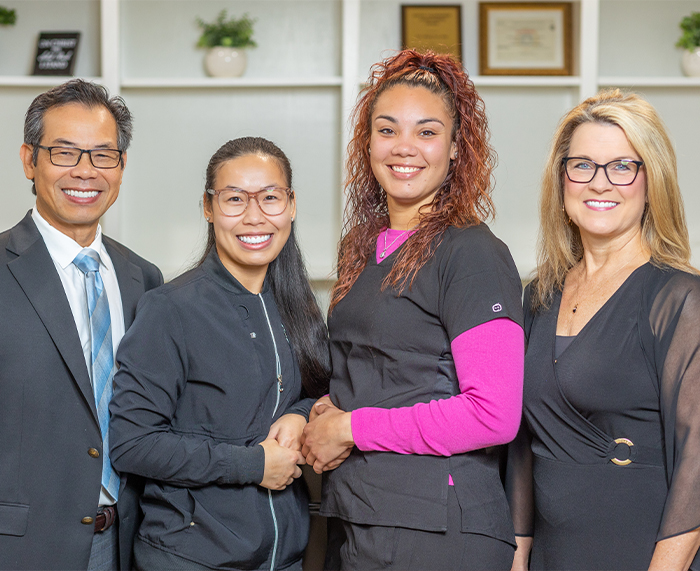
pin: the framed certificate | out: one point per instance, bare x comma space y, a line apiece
525, 38
432, 27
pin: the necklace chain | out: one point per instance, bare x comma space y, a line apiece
603, 282
386, 232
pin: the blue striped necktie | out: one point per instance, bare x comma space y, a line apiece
88, 262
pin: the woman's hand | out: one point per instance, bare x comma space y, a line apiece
328, 437
281, 465
288, 430
676, 553
522, 553
319, 405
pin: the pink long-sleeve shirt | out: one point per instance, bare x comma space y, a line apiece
489, 365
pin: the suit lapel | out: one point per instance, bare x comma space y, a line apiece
130, 278
35, 273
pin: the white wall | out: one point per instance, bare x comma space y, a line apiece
177, 128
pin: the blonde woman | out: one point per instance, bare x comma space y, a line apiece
605, 471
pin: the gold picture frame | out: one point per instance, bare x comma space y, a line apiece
525, 38
436, 27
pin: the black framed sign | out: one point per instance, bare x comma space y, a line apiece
55, 53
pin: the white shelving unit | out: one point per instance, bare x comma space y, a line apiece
301, 85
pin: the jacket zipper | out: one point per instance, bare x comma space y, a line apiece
278, 370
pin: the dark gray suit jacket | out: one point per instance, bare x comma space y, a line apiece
48, 419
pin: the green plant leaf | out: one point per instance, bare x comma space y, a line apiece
690, 38
233, 32
7, 17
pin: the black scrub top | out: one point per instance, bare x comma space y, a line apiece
614, 423
391, 350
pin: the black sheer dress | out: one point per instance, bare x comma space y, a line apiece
607, 461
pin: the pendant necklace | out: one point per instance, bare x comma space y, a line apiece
607, 280
401, 235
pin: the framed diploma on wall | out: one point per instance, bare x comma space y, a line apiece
432, 27
525, 38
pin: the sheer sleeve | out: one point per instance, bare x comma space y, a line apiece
674, 318
519, 482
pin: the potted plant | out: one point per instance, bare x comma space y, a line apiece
7, 17
690, 42
226, 40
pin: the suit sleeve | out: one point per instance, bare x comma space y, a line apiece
153, 368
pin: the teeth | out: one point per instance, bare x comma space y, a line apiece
601, 204
405, 169
82, 193
255, 239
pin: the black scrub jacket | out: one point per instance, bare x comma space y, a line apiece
195, 393
394, 351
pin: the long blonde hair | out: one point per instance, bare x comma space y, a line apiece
664, 230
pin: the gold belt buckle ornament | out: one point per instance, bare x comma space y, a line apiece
617, 460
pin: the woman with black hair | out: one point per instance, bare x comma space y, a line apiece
206, 401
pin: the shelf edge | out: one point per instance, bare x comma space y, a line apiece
238, 82
650, 81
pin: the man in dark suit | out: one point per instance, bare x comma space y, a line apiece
67, 294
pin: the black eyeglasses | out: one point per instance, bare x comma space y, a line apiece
234, 201
70, 156
619, 172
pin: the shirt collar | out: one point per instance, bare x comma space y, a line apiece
64, 249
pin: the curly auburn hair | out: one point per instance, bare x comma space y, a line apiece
464, 197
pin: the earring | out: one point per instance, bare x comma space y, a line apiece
566, 215
292, 218
208, 219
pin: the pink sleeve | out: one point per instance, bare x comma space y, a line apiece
489, 363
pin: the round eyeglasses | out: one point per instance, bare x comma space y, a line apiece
234, 201
620, 173
70, 156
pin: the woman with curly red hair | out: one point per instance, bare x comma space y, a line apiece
426, 333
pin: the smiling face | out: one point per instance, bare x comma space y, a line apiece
410, 149
247, 243
72, 199
599, 208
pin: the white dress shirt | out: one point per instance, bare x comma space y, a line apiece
63, 251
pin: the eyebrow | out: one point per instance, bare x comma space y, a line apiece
589, 158
67, 143
267, 187
420, 122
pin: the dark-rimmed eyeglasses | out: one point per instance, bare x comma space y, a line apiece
620, 172
234, 201
70, 156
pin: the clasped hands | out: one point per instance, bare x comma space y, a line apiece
327, 440
323, 443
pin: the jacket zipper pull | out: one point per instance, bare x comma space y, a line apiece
279, 382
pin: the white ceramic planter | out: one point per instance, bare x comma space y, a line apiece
691, 62
225, 62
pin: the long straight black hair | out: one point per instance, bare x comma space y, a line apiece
286, 275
